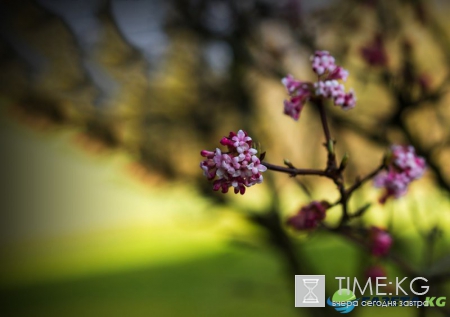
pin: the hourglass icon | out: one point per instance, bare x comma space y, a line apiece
310, 284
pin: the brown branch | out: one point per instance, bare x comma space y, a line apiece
329, 143
366, 178
295, 171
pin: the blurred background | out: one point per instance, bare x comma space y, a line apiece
106, 104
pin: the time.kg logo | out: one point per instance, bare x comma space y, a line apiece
310, 291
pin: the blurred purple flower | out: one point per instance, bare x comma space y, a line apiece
403, 167
374, 53
309, 216
380, 241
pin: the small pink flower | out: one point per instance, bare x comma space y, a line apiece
292, 85
406, 161
329, 89
338, 73
380, 241
336, 91
299, 93
238, 168
309, 216
241, 141
394, 183
349, 100
293, 107
322, 62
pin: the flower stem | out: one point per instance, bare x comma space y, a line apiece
329, 143
366, 178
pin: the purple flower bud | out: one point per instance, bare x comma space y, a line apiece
309, 216
374, 53
380, 240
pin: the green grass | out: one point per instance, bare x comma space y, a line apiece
226, 284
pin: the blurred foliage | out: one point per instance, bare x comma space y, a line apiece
217, 72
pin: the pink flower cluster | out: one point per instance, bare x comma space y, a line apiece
404, 167
238, 168
380, 241
323, 64
334, 90
299, 93
309, 216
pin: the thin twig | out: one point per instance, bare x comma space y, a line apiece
295, 171
366, 178
329, 143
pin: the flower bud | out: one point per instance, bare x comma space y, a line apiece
309, 216
344, 162
380, 241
